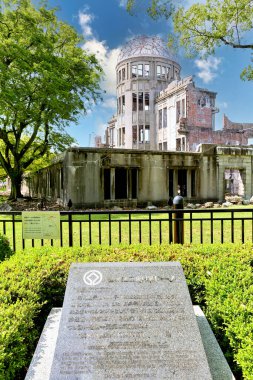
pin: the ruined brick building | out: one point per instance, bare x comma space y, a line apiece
162, 139
157, 110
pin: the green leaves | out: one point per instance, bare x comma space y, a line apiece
46, 81
203, 27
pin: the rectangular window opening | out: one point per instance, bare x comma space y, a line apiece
146, 101
120, 183
134, 102
140, 101
134, 71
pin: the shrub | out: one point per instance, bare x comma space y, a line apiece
219, 279
5, 249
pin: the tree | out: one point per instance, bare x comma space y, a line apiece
46, 80
202, 28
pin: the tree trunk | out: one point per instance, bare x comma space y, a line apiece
16, 181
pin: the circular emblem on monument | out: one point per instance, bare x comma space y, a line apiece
92, 277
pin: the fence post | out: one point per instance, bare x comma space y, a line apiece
178, 203
70, 230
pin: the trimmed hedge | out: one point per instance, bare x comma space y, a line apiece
219, 279
5, 249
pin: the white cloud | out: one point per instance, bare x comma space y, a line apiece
107, 57
84, 21
110, 103
207, 68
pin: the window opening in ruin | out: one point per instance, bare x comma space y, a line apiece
165, 118
119, 105
171, 183
123, 74
146, 70
134, 133
120, 183
160, 119
183, 144
107, 184
234, 182
134, 101
134, 71
141, 137
123, 103
178, 111
168, 72
119, 136
193, 183
140, 101
111, 136
119, 76
123, 136
146, 101
160, 146
134, 183
182, 182
147, 134
140, 70
158, 71
163, 72
165, 145
178, 145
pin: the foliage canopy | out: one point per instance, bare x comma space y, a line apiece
46, 80
203, 27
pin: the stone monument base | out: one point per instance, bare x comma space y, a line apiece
40, 366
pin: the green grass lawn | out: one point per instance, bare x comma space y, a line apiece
147, 228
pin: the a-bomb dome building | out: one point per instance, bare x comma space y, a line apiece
158, 110
165, 136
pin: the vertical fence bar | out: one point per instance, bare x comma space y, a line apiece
201, 231
99, 232
110, 230
222, 231
41, 242
32, 243
211, 227
61, 240
139, 231
80, 234
130, 229
150, 229
90, 235
190, 227
119, 231
23, 244
170, 228
4, 227
160, 231
13, 232
232, 227
52, 242
242, 230
70, 230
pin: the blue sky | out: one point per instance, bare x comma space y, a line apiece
107, 26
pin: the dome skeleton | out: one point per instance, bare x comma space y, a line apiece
145, 46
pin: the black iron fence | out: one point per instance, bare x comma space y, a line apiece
130, 227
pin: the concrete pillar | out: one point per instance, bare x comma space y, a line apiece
113, 183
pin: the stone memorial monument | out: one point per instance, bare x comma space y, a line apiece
128, 321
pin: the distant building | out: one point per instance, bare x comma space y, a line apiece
157, 110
